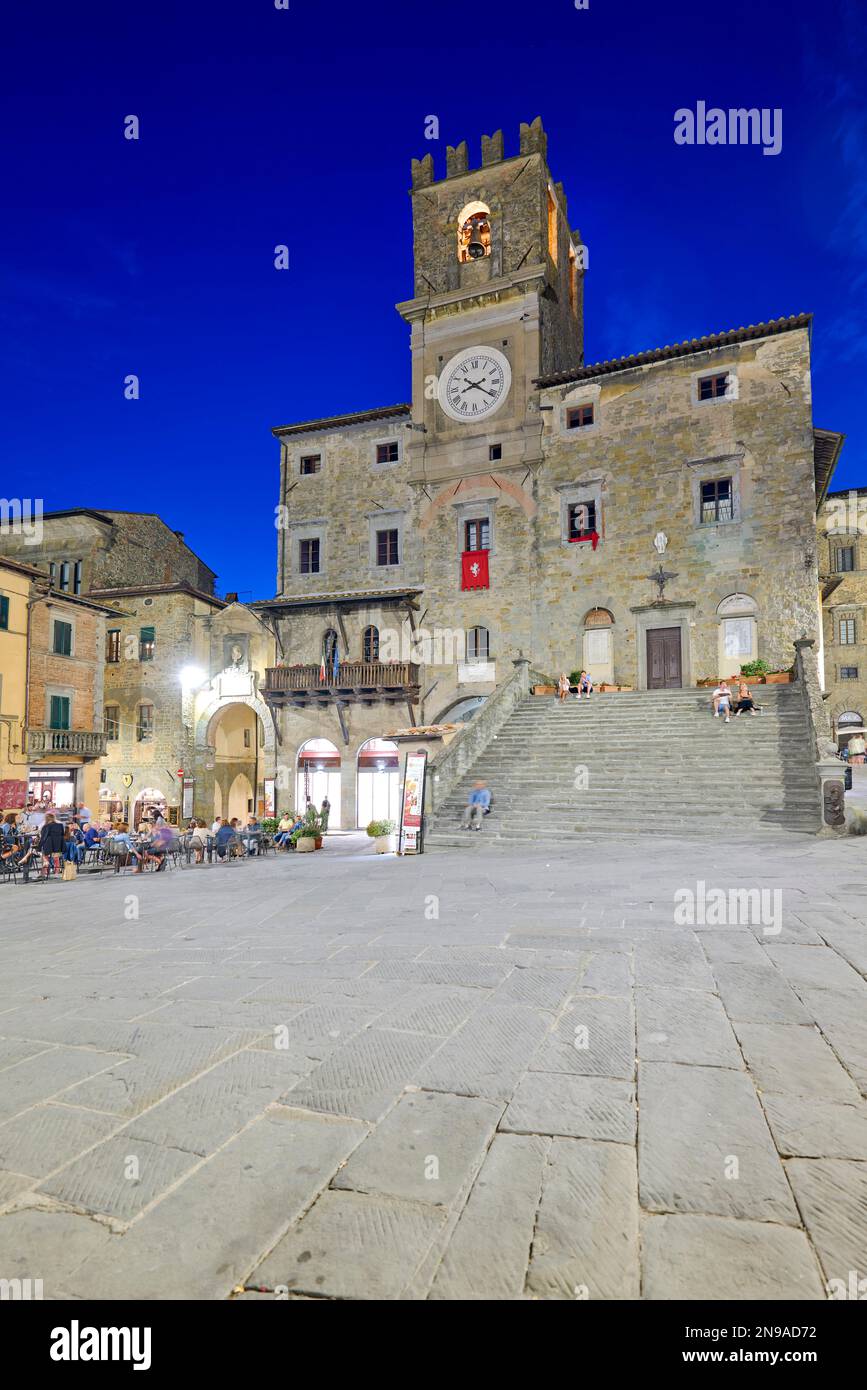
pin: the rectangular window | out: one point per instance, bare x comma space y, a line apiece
716, 501
52, 574
76, 577
578, 417
308, 556
246, 738
388, 453
62, 638
845, 559
710, 388
478, 644
386, 548
848, 673
64, 577
145, 723
311, 463
4, 613
582, 519
495, 451
58, 716
112, 644
477, 534
111, 722
147, 643
846, 632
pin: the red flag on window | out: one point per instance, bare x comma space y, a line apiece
592, 536
474, 569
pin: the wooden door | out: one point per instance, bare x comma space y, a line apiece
664, 670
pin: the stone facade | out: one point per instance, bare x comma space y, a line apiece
85, 550
696, 460
182, 710
843, 568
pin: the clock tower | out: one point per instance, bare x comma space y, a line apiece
498, 302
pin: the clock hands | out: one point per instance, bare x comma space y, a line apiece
477, 386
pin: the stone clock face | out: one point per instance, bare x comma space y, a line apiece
474, 384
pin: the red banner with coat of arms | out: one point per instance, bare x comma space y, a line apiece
474, 569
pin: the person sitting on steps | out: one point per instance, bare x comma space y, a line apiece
480, 800
722, 702
745, 701
563, 687
585, 685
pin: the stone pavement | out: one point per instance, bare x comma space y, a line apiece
550, 1073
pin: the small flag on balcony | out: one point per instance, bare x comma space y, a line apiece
474, 569
322, 673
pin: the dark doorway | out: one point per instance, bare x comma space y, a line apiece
663, 659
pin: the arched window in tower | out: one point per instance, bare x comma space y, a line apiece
370, 644
474, 233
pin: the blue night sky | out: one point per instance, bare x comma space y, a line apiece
261, 126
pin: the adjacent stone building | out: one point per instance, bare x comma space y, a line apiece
651, 519
843, 570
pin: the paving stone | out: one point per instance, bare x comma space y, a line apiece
350, 1245
841, 1016
832, 1196
488, 1054
489, 1251
14, 1050
143, 1081
813, 1127
462, 973
49, 1074
437, 1010
571, 941
97, 1181
680, 963
715, 1258
734, 947
793, 1057
49, 1245
45, 1137
208, 1111
850, 942
683, 1165
12, 1185
586, 1107
816, 967
754, 995
606, 1033
587, 1226
364, 1077
231, 1209
427, 1149
607, 972
542, 989
684, 1025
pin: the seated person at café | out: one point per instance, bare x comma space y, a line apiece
157, 844
284, 829
251, 834
227, 838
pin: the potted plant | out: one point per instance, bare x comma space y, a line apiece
308, 836
381, 833
709, 682
754, 672
779, 677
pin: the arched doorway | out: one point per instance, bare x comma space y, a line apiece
236, 736
318, 777
378, 781
738, 634
597, 646
847, 724
241, 802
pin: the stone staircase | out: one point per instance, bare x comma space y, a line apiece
641, 762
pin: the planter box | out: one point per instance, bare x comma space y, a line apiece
384, 844
544, 690
778, 678
306, 845
317, 843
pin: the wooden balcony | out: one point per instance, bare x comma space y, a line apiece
78, 743
357, 682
